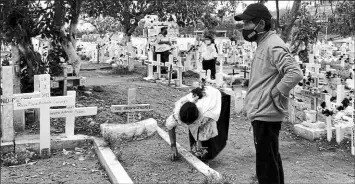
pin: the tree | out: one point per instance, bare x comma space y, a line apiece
289, 19
56, 21
104, 25
306, 30
129, 12
342, 21
19, 23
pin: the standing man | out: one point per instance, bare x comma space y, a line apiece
274, 72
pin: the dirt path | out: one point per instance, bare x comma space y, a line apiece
303, 161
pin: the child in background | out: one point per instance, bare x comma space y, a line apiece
209, 56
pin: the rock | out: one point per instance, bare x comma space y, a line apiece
98, 89
148, 126
88, 93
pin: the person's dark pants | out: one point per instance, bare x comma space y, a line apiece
268, 160
164, 57
210, 65
216, 144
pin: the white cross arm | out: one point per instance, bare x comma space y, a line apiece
18, 97
37, 103
131, 108
84, 111
313, 95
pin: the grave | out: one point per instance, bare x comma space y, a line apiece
66, 81
70, 112
172, 66
43, 102
314, 129
131, 128
8, 98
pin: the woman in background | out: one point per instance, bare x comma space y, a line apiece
209, 56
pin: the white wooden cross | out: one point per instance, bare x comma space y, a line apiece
313, 68
44, 102
178, 67
70, 112
130, 60
7, 100
67, 80
131, 106
149, 66
151, 63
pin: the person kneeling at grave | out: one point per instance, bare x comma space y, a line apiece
206, 112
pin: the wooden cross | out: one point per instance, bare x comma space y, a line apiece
44, 102
67, 80
131, 107
70, 112
313, 68
149, 66
245, 71
7, 100
129, 60
150, 62
178, 67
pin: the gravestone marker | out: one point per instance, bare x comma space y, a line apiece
44, 102
70, 112
131, 108
7, 100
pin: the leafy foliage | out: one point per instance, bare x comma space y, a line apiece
343, 19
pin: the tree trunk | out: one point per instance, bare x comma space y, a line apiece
286, 30
68, 45
68, 40
32, 59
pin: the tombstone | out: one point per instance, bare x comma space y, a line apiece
70, 112
131, 108
66, 80
311, 58
314, 130
149, 66
239, 96
44, 102
7, 100
340, 94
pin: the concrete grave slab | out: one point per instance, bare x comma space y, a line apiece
148, 126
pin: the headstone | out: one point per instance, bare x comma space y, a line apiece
70, 112
44, 102
7, 100
311, 58
340, 94
149, 64
131, 108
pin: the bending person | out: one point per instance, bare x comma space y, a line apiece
206, 113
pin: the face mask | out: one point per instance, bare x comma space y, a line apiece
251, 35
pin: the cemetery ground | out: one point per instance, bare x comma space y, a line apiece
80, 165
147, 159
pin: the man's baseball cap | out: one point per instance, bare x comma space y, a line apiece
256, 10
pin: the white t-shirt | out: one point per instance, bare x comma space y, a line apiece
162, 47
209, 106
